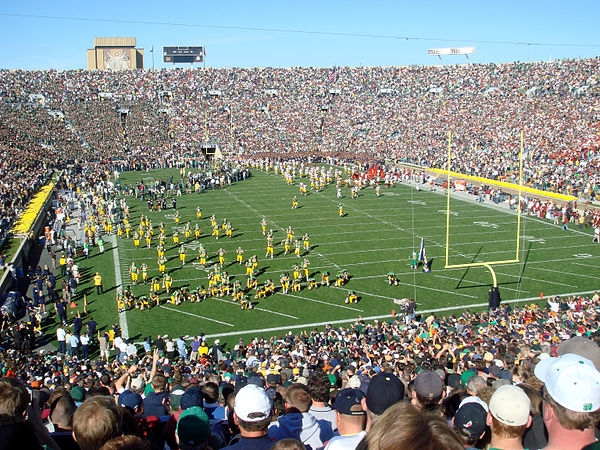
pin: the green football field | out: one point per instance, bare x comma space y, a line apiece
376, 236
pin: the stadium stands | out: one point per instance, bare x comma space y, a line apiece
94, 122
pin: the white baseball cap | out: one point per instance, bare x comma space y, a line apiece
252, 400
510, 405
572, 381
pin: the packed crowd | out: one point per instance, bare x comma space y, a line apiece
451, 381
49, 119
509, 378
402, 113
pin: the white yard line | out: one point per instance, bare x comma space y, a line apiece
535, 279
255, 308
118, 282
324, 303
195, 315
327, 260
567, 273
251, 208
385, 316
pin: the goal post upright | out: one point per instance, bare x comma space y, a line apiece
520, 192
488, 265
448, 200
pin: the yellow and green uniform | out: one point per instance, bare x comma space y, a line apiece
284, 279
168, 282
263, 225
306, 241
133, 271
155, 285
162, 262
351, 297
202, 256
296, 286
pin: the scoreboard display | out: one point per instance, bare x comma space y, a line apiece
183, 54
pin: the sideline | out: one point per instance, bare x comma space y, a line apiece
385, 316
119, 285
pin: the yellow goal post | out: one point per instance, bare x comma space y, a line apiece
488, 264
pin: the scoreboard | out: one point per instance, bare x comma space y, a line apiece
183, 54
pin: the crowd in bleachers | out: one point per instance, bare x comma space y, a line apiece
296, 390
342, 387
132, 119
402, 113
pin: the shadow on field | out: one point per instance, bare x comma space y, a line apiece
458, 286
525, 262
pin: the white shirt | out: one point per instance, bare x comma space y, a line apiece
60, 334
84, 339
345, 442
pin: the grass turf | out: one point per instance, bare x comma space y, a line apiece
376, 236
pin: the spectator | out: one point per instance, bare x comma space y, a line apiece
155, 403
385, 389
297, 423
350, 418
571, 395
96, 421
412, 429
289, 444
428, 391
509, 417
252, 414
193, 429
318, 388
470, 423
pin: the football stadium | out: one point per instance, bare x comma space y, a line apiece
299, 257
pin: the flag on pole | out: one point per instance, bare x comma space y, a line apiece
422, 254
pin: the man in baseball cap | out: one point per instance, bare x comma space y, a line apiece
193, 429
428, 392
383, 391
509, 417
470, 422
252, 414
571, 395
350, 418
